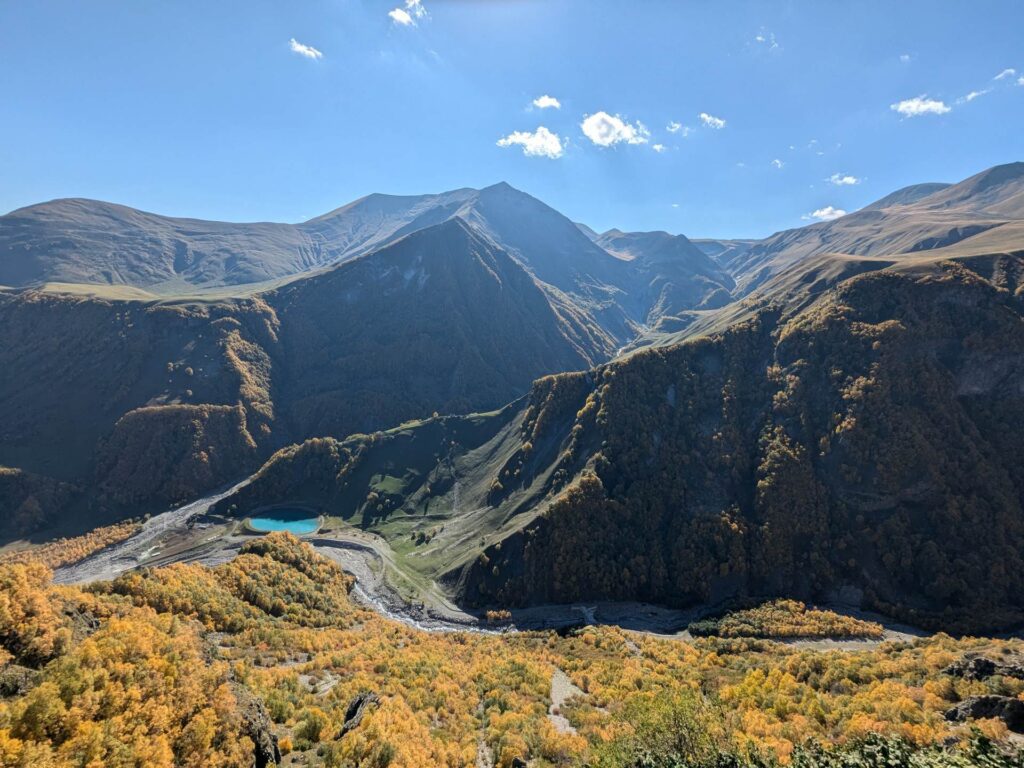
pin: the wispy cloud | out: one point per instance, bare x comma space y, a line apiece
547, 102
407, 16
920, 105
606, 130
674, 127
828, 213
972, 96
843, 180
777, 164
658, 147
539, 143
711, 121
304, 50
1006, 75
905, 58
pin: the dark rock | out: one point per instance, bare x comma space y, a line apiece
518, 762
977, 668
981, 668
1006, 708
356, 710
16, 680
258, 727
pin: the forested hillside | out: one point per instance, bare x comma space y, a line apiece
871, 441
267, 659
869, 444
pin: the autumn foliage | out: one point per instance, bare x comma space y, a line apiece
157, 668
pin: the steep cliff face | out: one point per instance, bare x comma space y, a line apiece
869, 441
99, 393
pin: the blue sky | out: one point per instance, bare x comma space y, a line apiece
208, 109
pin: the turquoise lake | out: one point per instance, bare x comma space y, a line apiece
294, 521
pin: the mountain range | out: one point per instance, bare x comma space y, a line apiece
654, 417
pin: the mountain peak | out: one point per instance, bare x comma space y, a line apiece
501, 186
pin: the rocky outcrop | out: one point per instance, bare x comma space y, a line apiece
357, 709
16, 680
1006, 708
981, 668
258, 727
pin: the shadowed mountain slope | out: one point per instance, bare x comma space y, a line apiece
452, 317
457, 302
842, 448
146, 404
672, 274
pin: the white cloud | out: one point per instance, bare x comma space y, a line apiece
401, 16
675, 205
304, 50
767, 39
1020, 81
828, 213
1005, 73
905, 58
658, 147
540, 143
843, 180
674, 127
711, 121
547, 102
778, 164
407, 16
605, 130
920, 105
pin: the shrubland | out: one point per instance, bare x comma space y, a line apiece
161, 666
54, 554
786, 618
